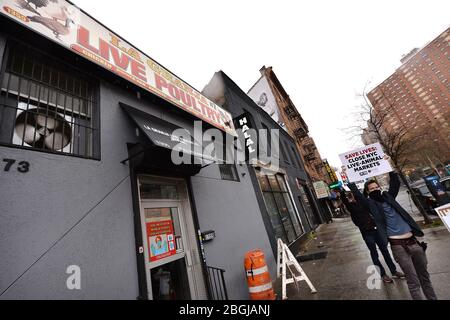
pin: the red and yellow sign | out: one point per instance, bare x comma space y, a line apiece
161, 241
67, 25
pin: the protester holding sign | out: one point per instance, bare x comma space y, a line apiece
395, 225
362, 218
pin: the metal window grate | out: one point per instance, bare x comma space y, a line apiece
228, 172
47, 105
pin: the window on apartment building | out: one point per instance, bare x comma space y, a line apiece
228, 172
282, 214
47, 105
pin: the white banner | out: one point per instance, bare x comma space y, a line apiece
364, 162
444, 213
67, 25
262, 95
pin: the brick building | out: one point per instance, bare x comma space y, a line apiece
416, 96
270, 95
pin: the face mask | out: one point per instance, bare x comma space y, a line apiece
376, 195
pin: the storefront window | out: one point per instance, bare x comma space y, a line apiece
283, 211
307, 205
274, 216
282, 214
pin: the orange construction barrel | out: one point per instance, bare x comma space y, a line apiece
258, 276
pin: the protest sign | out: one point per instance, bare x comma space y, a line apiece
364, 162
444, 213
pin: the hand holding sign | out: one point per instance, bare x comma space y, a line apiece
365, 162
388, 159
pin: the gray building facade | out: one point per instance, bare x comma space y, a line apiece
93, 204
78, 219
288, 215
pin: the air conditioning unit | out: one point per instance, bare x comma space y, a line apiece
42, 128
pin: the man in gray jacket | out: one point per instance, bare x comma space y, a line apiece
396, 226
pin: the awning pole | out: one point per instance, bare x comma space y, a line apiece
134, 155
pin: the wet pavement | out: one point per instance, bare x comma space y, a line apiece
339, 270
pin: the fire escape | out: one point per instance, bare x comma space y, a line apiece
291, 112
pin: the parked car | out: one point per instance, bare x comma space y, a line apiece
446, 183
427, 200
425, 197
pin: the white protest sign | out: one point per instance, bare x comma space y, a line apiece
444, 213
364, 162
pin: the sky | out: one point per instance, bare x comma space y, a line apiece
323, 52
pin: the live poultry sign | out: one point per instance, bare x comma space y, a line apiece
67, 25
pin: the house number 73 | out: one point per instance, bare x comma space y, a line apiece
22, 166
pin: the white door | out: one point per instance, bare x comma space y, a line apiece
173, 265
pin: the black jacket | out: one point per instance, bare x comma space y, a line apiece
361, 217
376, 208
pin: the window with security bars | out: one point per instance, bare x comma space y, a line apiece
47, 105
282, 213
228, 172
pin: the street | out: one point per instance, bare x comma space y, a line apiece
342, 273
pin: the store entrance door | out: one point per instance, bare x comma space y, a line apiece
171, 256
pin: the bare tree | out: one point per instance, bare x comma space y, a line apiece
400, 145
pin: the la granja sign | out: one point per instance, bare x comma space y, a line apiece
67, 25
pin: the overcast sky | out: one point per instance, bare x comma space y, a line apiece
323, 52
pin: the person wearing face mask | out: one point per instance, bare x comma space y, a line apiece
362, 218
395, 225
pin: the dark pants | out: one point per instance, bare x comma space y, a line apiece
413, 262
373, 239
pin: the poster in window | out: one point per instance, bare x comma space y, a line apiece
160, 233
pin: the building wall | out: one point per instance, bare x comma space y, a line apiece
231, 209
70, 211
293, 122
223, 89
416, 95
73, 211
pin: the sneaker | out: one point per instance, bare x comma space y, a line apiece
398, 275
387, 279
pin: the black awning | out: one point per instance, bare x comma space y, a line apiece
164, 134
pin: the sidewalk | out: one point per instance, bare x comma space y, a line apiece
341, 258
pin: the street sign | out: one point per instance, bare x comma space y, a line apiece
336, 185
437, 189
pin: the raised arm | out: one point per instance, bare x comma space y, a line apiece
394, 184
347, 205
358, 195
343, 197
